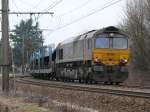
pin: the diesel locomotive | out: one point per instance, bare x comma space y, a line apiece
97, 55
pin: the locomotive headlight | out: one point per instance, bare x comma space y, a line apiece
123, 60
111, 34
97, 60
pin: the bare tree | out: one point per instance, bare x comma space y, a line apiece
137, 24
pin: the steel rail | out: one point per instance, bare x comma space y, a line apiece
86, 88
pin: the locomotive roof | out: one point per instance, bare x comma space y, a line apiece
111, 29
90, 34
79, 37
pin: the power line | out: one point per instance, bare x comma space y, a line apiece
28, 4
54, 4
77, 8
109, 5
25, 2
81, 6
30, 12
85, 3
45, 11
13, 1
37, 4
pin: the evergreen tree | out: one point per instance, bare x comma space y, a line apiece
26, 37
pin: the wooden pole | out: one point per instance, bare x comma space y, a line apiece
5, 47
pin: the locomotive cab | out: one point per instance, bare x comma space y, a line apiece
110, 56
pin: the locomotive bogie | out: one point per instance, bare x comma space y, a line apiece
115, 74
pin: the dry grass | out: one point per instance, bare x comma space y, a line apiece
67, 107
18, 105
31, 98
61, 100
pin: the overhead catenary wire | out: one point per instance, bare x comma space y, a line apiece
31, 12
109, 5
13, 1
81, 6
76, 8
25, 3
87, 15
74, 21
45, 11
54, 4
36, 6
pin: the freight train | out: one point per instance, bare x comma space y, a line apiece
95, 56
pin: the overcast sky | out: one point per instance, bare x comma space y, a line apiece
66, 12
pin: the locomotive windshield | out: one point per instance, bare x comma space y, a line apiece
120, 43
102, 42
115, 42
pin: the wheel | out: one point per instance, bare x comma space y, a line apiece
57, 79
106, 83
72, 80
117, 83
111, 83
86, 81
91, 81
79, 80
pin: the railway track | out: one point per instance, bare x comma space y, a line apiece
132, 92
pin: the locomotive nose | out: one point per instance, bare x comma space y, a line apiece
109, 58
